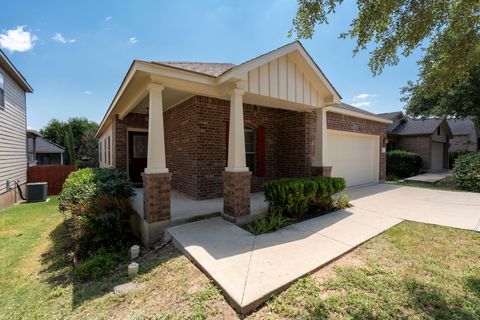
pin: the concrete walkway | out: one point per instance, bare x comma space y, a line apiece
431, 177
249, 268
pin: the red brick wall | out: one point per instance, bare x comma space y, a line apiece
131, 121
418, 144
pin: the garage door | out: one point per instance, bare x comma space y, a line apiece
437, 156
354, 157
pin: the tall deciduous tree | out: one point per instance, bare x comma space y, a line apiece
449, 29
76, 135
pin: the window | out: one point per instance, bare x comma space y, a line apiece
2, 92
105, 150
438, 131
250, 147
100, 150
109, 152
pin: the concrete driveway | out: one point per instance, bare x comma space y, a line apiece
446, 208
249, 268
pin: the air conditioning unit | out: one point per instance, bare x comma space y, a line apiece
37, 191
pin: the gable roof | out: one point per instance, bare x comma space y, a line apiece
417, 126
355, 109
461, 126
43, 145
8, 66
212, 69
390, 115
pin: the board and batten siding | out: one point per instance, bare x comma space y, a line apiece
287, 79
13, 141
105, 148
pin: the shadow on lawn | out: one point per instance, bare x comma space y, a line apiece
57, 268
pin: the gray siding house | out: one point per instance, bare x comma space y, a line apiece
13, 125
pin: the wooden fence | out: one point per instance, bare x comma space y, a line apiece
54, 175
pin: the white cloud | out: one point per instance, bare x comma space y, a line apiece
60, 38
361, 104
87, 92
363, 96
17, 40
108, 18
133, 40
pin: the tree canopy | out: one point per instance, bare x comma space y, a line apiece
76, 135
450, 30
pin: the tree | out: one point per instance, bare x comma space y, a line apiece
450, 28
76, 135
460, 100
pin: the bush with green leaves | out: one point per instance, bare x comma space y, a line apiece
453, 155
99, 202
98, 264
272, 221
403, 164
466, 172
292, 197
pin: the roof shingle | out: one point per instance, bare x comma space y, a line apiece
212, 69
417, 126
461, 126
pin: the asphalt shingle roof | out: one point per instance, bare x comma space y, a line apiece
352, 108
417, 126
44, 146
461, 126
390, 115
213, 69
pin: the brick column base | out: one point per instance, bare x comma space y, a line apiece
236, 193
156, 196
322, 171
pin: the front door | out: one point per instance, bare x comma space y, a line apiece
137, 155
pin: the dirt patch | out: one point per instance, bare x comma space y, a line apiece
352, 259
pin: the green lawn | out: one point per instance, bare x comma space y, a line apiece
413, 270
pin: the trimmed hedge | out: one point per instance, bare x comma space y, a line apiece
466, 172
293, 197
453, 155
403, 164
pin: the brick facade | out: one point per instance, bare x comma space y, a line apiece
236, 198
196, 142
156, 196
418, 144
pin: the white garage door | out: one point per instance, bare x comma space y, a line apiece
354, 157
437, 156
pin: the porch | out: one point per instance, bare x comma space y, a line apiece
184, 209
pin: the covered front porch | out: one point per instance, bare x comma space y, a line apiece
184, 209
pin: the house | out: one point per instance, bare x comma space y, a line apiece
427, 137
213, 130
466, 136
13, 124
42, 151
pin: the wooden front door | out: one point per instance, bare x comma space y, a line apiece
137, 155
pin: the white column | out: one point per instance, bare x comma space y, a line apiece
321, 139
236, 134
156, 162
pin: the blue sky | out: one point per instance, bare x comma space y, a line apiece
75, 53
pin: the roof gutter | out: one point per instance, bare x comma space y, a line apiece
335, 109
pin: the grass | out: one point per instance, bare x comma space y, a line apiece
447, 184
413, 270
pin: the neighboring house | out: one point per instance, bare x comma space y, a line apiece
42, 151
211, 130
13, 124
427, 137
466, 136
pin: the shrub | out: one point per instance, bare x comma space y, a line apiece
292, 197
99, 264
271, 222
84, 187
453, 155
403, 164
342, 201
99, 200
466, 172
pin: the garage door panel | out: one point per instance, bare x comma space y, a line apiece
437, 156
354, 157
